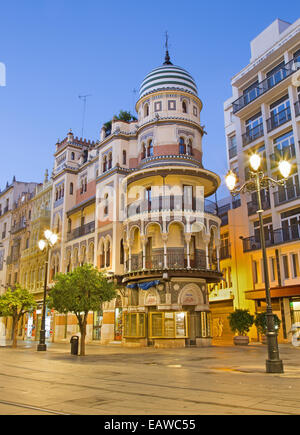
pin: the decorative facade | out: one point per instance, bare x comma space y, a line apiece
134, 204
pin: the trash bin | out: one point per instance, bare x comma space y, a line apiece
74, 345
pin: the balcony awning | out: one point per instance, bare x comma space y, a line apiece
276, 292
144, 285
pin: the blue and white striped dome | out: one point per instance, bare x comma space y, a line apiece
167, 77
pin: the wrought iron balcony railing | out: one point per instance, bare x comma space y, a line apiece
225, 252
279, 119
81, 231
286, 153
267, 84
253, 134
174, 260
272, 238
253, 206
172, 203
18, 227
286, 194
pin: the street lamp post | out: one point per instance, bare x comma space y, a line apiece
45, 244
258, 181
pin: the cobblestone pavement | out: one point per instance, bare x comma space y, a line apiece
114, 380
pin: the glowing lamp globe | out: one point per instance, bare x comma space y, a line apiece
255, 161
284, 168
230, 180
42, 245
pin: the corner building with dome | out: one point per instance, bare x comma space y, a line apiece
136, 205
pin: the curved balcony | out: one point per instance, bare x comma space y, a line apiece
175, 204
172, 260
164, 169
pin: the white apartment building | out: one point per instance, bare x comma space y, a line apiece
263, 116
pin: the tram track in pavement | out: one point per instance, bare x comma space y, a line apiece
32, 408
257, 408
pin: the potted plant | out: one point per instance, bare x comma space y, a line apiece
260, 322
240, 322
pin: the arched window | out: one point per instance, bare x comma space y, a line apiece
181, 146
143, 151
124, 157
184, 107
71, 188
146, 110
109, 160
189, 147
108, 254
121, 252
104, 164
150, 149
106, 204
72, 156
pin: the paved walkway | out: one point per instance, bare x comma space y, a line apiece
113, 380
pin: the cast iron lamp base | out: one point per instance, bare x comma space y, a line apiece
41, 347
274, 366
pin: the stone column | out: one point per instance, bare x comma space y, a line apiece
165, 240
206, 240
144, 242
187, 237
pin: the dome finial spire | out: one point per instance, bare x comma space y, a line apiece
167, 56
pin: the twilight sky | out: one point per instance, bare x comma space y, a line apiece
56, 50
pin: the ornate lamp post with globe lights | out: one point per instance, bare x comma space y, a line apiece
45, 244
258, 180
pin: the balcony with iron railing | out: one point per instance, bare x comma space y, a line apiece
252, 134
253, 205
173, 260
81, 231
273, 238
18, 226
225, 252
286, 153
278, 119
176, 203
264, 86
286, 194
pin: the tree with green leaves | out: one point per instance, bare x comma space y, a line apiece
15, 303
79, 292
240, 321
126, 116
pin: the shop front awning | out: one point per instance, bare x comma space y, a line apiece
144, 285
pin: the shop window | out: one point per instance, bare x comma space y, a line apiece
168, 324
205, 325
134, 325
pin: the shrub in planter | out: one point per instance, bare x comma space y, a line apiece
260, 322
240, 322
